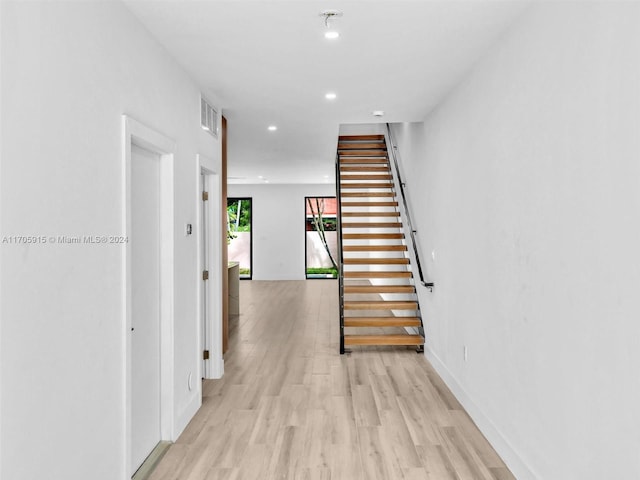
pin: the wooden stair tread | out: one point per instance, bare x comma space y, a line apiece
383, 339
381, 305
366, 185
366, 177
379, 289
370, 214
367, 194
371, 224
361, 146
376, 274
373, 236
382, 322
356, 138
363, 160
368, 204
363, 168
374, 248
376, 261
363, 153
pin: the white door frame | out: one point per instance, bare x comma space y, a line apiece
136, 133
214, 367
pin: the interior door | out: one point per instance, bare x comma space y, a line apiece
145, 320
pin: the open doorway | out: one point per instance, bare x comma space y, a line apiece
240, 248
321, 242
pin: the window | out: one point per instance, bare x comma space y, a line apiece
321, 242
240, 248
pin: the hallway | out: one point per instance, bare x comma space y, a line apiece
290, 407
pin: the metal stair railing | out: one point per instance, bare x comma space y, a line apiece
402, 185
340, 256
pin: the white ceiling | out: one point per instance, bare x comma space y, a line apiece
267, 62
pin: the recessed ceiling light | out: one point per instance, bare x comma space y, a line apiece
330, 96
331, 34
272, 128
378, 113
260, 177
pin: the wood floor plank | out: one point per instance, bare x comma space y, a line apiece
397, 434
320, 392
237, 432
172, 463
375, 464
222, 474
437, 463
422, 429
477, 441
383, 393
467, 464
290, 407
364, 406
342, 421
256, 462
340, 384
345, 462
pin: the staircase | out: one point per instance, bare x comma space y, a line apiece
377, 289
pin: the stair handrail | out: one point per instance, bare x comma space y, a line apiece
402, 185
340, 255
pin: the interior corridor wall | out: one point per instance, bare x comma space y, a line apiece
279, 226
525, 185
69, 72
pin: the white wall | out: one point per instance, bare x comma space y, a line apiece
317, 255
279, 227
69, 71
239, 249
526, 183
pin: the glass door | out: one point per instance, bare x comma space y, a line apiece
240, 242
321, 242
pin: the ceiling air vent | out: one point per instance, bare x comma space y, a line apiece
208, 117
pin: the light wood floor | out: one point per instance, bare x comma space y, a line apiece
290, 407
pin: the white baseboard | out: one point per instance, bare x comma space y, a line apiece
501, 445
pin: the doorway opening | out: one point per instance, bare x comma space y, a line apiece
239, 236
208, 230
321, 242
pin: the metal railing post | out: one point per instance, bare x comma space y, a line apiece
340, 256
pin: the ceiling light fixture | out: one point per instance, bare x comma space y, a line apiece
272, 128
328, 16
330, 96
378, 113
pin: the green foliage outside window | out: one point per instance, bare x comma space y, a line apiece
242, 224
